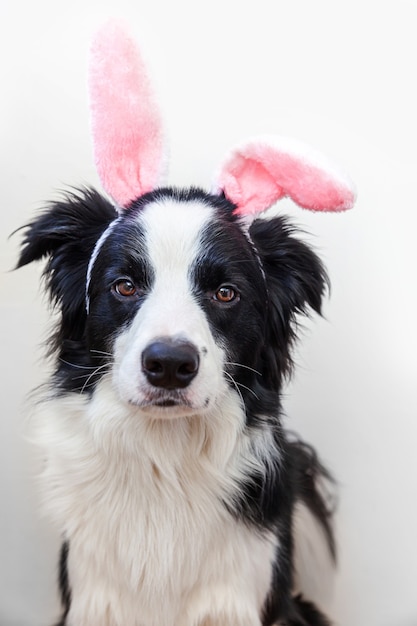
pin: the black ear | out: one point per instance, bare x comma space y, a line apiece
296, 282
66, 233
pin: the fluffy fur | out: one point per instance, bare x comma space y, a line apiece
125, 122
168, 470
260, 172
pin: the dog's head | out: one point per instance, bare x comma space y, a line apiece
178, 296
174, 298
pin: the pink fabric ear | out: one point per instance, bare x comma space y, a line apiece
262, 171
126, 126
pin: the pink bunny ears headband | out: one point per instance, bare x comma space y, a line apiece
129, 154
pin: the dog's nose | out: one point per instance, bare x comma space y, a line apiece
170, 364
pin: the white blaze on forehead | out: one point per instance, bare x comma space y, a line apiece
173, 230
172, 237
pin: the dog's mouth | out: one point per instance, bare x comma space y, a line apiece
165, 400
172, 403
167, 403
166, 408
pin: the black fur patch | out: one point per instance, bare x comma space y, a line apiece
63, 582
66, 233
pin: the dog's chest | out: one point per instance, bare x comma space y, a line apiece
146, 524
144, 528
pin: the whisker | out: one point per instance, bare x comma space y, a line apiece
90, 374
95, 373
95, 370
83, 367
101, 352
248, 389
236, 387
87, 384
244, 366
82, 376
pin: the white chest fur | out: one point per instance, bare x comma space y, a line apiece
141, 503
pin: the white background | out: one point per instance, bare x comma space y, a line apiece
339, 75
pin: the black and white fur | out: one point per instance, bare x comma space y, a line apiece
168, 470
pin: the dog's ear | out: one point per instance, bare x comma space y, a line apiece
66, 234
296, 283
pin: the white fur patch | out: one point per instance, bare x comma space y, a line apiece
313, 564
140, 500
172, 236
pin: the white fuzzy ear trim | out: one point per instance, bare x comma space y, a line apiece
126, 125
258, 173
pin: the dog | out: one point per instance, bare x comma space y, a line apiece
168, 470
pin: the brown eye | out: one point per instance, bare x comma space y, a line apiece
125, 288
225, 294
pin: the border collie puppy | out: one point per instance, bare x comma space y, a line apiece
167, 468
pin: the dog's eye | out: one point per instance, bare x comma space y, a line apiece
125, 288
226, 294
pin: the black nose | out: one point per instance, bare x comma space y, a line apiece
170, 364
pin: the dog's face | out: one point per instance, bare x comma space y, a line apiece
184, 304
177, 298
